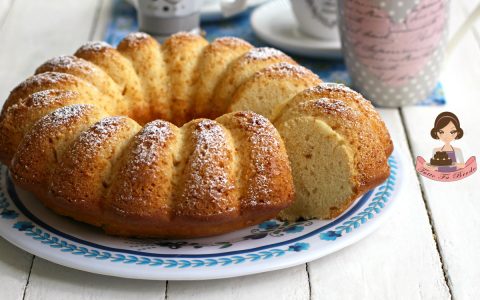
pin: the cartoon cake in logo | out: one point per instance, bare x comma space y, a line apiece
440, 158
447, 163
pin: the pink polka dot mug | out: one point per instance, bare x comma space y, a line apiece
394, 49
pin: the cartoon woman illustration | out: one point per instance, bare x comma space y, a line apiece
447, 162
447, 129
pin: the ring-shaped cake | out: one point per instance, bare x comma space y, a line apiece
96, 137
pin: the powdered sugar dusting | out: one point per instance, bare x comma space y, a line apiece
286, 69
143, 178
137, 36
47, 78
208, 184
67, 62
230, 42
265, 147
56, 119
327, 105
358, 102
266, 159
153, 137
263, 53
183, 34
360, 105
337, 87
95, 46
99, 133
64, 115
43, 98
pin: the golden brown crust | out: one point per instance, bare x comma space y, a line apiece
205, 178
267, 90
207, 189
356, 100
216, 58
41, 148
89, 72
82, 175
122, 72
182, 53
179, 229
239, 71
206, 199
20, 117
148, 61
265, 171
141, 187
47, 81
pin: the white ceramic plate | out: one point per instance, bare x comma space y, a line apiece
275, 23
211, 10
269, 246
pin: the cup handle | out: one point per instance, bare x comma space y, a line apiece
230, 8
460, 33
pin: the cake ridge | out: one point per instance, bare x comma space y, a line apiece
208, 184
205, 177
68, 62
122, 72
87, 71
148, 61
137, 171
85, 167
46, 81
41, 148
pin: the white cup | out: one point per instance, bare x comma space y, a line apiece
162, 18
317, 18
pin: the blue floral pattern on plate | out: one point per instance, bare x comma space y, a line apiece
375, 206
272, 229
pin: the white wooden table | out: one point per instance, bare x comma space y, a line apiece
429, 249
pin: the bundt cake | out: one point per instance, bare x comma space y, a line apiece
117, 137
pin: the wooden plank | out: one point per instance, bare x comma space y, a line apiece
469, 6
38, 30
104, 14
455, 206
285, 284
5, 6
400, 260
14, 270
51, 281
15, 264
32, 32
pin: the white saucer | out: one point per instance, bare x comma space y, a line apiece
275, 23
210, 11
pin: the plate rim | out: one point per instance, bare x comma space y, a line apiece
239, 270
21, 207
